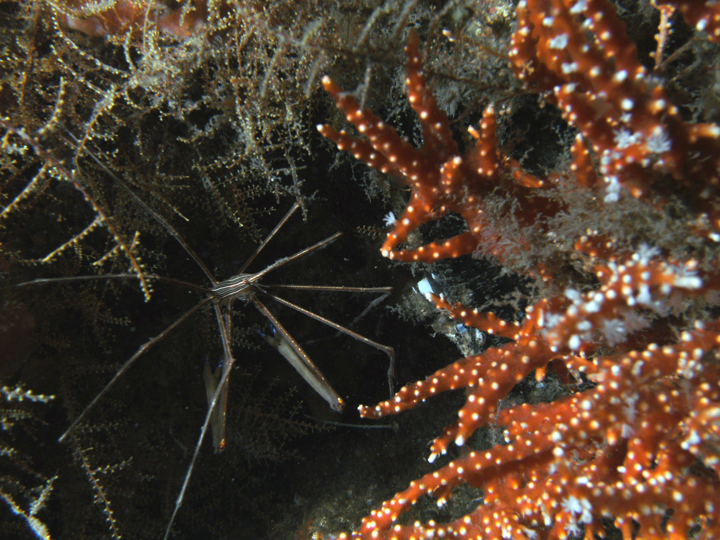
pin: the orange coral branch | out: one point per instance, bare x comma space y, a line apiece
441, 181
640, 444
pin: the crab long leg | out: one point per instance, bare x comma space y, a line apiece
219, 396
211, 379
142, 350
219, 414
72, 279
157, 217
384, 348
225, 325
330, 288
299, 359
285, 260
269, 237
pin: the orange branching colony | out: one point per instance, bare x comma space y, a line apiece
641, 445
436, 173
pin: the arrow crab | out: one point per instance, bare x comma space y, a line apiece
249, 289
